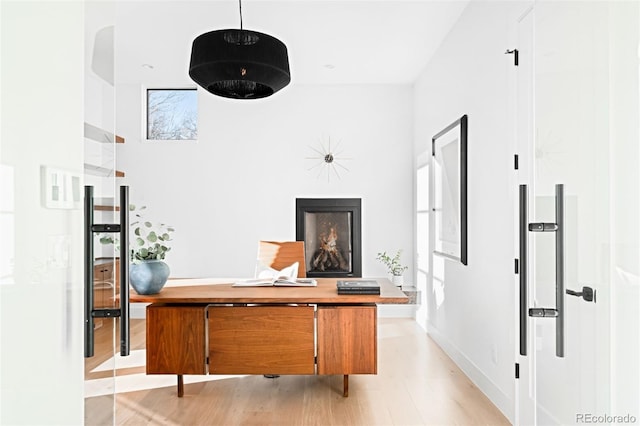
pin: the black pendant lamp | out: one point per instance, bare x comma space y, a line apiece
239, 64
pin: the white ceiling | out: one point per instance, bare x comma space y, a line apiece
329, 42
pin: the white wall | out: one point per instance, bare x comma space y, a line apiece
472, 315
239, 182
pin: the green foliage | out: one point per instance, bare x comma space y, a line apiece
392, 263
148, 242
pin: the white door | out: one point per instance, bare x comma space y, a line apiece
578, 149
41, 167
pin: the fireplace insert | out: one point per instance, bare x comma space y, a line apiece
331, 231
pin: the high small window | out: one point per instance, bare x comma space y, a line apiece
172, 114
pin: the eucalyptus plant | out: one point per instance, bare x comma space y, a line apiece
392, 263
148, 242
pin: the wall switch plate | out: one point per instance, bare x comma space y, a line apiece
60, 189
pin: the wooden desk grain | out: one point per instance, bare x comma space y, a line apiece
324, 293
246, 330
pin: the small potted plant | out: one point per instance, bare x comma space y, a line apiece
148, 246
395, 268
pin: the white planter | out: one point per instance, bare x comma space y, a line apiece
397, 280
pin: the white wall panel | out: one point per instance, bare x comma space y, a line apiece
41, 293
238, 183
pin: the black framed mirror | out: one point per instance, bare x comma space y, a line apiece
449, 151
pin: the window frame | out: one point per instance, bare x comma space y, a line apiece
145, 112
425, 166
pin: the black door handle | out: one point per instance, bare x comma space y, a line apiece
90, 312
588, 294
557, 227
522, 270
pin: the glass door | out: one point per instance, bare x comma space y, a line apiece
102, 198
41, 212
579, 87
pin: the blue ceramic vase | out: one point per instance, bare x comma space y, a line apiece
148, 276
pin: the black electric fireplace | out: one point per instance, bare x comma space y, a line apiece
331, 231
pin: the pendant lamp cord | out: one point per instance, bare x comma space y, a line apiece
240, 4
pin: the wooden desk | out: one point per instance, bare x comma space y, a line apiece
220, 329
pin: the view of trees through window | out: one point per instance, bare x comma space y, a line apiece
172, 114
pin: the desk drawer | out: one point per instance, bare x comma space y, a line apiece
176, 339
347, 340
261, 340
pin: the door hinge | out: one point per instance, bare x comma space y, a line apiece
517, 271
513, 52
517, 370
207, 361
515, 162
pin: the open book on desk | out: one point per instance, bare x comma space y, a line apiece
286, 277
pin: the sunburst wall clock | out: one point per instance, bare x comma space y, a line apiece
328, 158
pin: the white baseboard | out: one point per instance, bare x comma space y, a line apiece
484, 383
396, 311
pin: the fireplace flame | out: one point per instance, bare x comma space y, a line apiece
328, 256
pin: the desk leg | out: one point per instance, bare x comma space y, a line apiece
180, 385
345, 386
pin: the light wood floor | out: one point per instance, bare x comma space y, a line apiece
416, 384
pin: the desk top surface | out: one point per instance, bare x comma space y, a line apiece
217, 291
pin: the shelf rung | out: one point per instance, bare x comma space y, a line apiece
99, 135
106, 208
92, 169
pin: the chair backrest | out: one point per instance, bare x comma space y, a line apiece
280, 254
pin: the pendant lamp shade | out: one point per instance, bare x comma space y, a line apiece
239, 64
